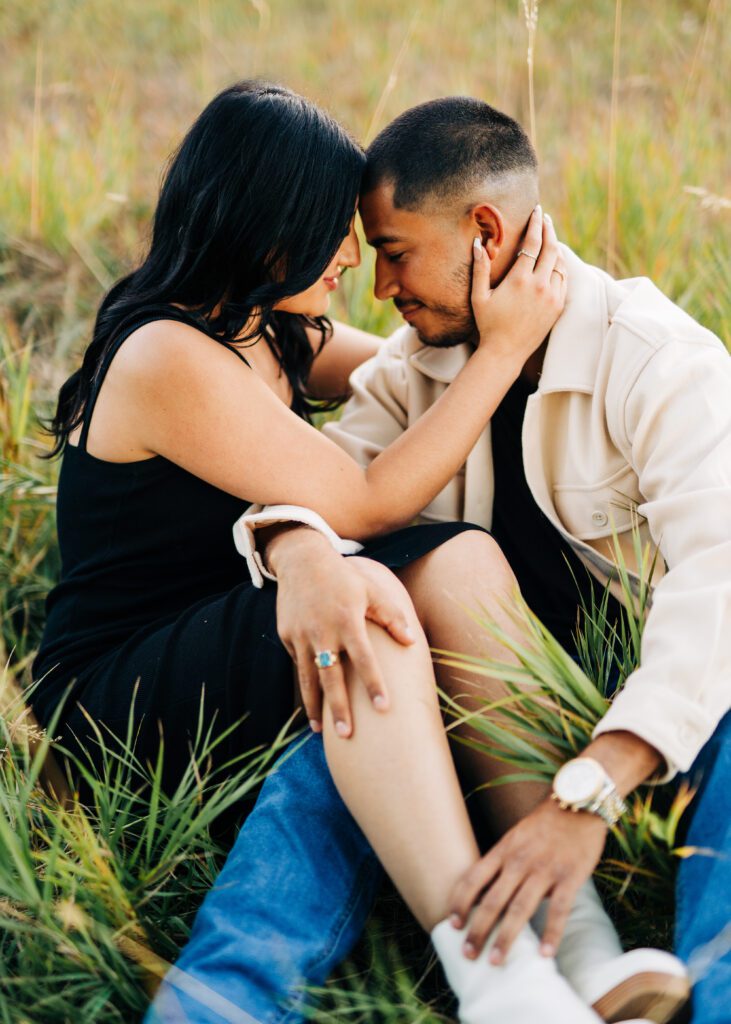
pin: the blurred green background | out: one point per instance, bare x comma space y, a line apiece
94, 95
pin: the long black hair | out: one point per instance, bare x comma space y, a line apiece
253, 207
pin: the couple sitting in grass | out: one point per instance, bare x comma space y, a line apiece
530, 413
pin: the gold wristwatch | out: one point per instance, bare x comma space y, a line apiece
582, 784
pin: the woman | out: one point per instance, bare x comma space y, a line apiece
193, 401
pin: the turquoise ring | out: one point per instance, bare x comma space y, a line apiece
326, 659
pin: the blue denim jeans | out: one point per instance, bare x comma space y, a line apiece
297, 887
703, 887
289, 905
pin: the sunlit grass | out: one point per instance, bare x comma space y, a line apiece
96, 898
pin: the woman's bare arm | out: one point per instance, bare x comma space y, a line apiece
346, 349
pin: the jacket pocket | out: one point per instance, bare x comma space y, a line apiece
591, 511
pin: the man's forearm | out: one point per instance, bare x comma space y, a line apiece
628, 759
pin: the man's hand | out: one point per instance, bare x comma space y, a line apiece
323, 603
551, 853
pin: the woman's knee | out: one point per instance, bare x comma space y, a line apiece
470, 557
391, 588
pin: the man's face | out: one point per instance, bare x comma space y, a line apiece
423, 263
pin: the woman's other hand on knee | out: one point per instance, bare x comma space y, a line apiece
323, 604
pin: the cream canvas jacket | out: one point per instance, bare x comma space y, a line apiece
631, 422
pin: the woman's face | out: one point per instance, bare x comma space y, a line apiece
316, 300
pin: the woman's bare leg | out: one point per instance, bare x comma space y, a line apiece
397, 776
470, 571
396, 773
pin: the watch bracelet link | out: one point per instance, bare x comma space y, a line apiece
609, 805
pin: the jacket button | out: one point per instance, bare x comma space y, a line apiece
687, 734
599, 518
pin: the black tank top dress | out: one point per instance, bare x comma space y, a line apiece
153, 595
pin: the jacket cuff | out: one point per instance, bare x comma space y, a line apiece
677, 727
256, 516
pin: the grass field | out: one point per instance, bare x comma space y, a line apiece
629, 108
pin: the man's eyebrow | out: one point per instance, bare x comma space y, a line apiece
383, 240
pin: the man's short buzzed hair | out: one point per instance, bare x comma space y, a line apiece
443, 149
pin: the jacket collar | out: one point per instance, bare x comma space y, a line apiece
575, 344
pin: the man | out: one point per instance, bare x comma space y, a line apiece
625, 413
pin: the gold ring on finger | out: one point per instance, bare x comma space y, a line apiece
559, 272
524, 252
326, 659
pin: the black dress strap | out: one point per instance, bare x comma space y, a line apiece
147, 316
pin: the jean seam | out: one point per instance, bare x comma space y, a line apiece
369, 861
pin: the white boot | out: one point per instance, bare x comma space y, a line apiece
649, 982
525, 989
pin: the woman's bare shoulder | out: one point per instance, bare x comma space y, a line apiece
161, 365
176, 359
156, 346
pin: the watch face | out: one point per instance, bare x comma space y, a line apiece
578, 781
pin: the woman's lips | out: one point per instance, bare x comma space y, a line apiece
331, 282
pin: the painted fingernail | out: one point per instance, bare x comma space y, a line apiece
455, 920
341, 728
547, 949
469, 950
496, 957
539, 210
379, 701
477, 247
549, 218
410, 634
315, 725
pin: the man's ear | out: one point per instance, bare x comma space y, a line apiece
488, 222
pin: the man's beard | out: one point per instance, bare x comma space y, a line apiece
457, 325
456, 329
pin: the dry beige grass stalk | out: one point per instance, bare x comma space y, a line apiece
613, 127
530, 14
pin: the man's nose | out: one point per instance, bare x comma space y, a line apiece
385, 285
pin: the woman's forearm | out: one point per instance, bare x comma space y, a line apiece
409, 474
289, 546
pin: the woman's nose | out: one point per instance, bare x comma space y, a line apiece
349, 254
